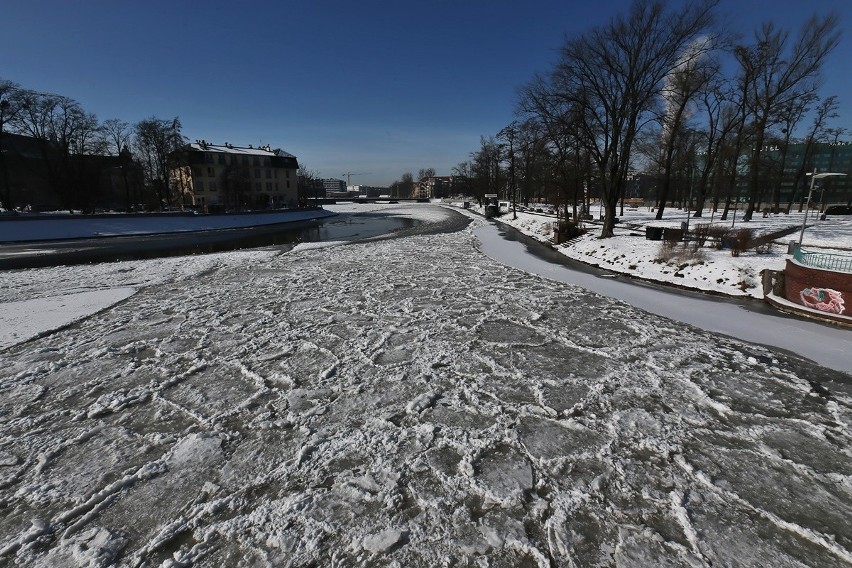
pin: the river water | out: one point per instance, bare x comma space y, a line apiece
343, 227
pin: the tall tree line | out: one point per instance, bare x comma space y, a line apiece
66, 136
660, 88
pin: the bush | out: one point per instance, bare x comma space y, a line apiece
741, 240
667, 251
718, 234
701, 233
682, 255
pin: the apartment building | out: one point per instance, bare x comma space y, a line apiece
433, 186
225, 177
334, 187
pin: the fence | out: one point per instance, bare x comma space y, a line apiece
825, 261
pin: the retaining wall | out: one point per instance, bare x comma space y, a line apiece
823, 290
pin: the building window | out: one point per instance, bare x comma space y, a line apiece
269, 186
288, 184
256, 174
221, 158
257, 186
266, 162
276, 186
200, 186
210, 172
256, 161
212, 186
288, 174
268, 174
245, 160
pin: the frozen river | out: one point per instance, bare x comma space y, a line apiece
750, 320
405, 402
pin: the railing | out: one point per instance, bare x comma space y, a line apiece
825, 261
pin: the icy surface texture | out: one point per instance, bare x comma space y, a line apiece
409, 402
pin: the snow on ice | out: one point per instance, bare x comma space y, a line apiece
405, 402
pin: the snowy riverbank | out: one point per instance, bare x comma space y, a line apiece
706, 268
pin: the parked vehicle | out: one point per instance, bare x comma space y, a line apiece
492, 206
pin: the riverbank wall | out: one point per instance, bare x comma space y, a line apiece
39, 227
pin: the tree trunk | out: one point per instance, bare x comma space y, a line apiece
609, 218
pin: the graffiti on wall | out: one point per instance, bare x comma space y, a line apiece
823, 299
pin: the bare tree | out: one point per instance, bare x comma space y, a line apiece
788, 118
534, 162
834, 135
613, 75
424, 173
157, 142
777, 74
9, 107
508, 135
682, 85
487, 174
720, 109
307, 185
463, 179
825, 110
117, 136
405, 187
64, 133
559, 127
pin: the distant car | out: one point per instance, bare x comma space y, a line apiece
838, 210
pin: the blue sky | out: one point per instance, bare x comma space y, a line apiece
378, 88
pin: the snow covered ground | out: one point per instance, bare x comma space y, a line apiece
404, 402
706, 268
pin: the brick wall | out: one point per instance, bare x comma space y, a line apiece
798, 278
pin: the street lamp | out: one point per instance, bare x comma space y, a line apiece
814, 177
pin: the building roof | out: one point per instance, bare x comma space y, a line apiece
23, 146
204, 146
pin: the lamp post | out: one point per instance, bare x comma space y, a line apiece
814, 177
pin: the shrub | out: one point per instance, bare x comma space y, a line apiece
701, 233
667, 251
741, 240
718, 234
680, 255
